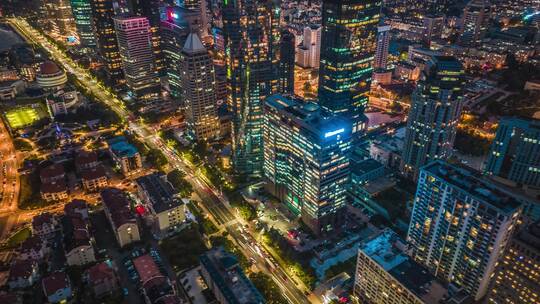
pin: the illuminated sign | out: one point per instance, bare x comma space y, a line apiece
174, 15
332, 133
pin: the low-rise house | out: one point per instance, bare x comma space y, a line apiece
44, 225
33, 248
162, 209
226, 280
77, 207
54, 191
94, 179
102, 279
52, 173
125, 155
23, 274
122, 220
57, 287
86, 160
78, 246
155, 287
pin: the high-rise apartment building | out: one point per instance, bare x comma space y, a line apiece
349, 41
150, 9
306, 160
199, 89
251, 34
383, 42
517, 279
386, 274
82, 13
286, 63
178, 22
515, 151
460, 225
433, 27
104, 31
309, 52
135, 47
475, 22
434, 115
59, 17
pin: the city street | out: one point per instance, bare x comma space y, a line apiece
216, 203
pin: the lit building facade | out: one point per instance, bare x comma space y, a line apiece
383, 42
199, 89
386, 274
136, 51
82, 13
460, 225
104, 31
349, 39
150, 10
59, 17
306, 160
515, 151
178, 22
251, 34
475, 22
517, 279
309, 52
434, 115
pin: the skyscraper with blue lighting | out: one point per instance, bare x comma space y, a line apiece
82, 13
348, 45
251, 40
306, 160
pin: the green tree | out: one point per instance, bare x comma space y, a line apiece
157, 158
269, 289
177, 179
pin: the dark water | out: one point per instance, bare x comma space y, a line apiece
8, 37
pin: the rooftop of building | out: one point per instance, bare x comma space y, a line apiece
117, 204
85, 157
530, 235
32, 243
44, 218
93, 173
54, 170
75, 205
365, 166
54, 187
472, 182
161, 192
387, 249
101, 272
48, 68
121, 147
310, 116
54, 282
229, 278
146, 268
22, 269
75, 232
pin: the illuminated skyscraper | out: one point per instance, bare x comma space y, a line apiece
349, 38
309, 53
175, 28
460, 225
59, 17
102, 15
517, 279
475, 22
306, 160
199, 89
515, 151
82, 13
251, 34
286, 63
434, 115
383, 42
150, 10
135, 47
